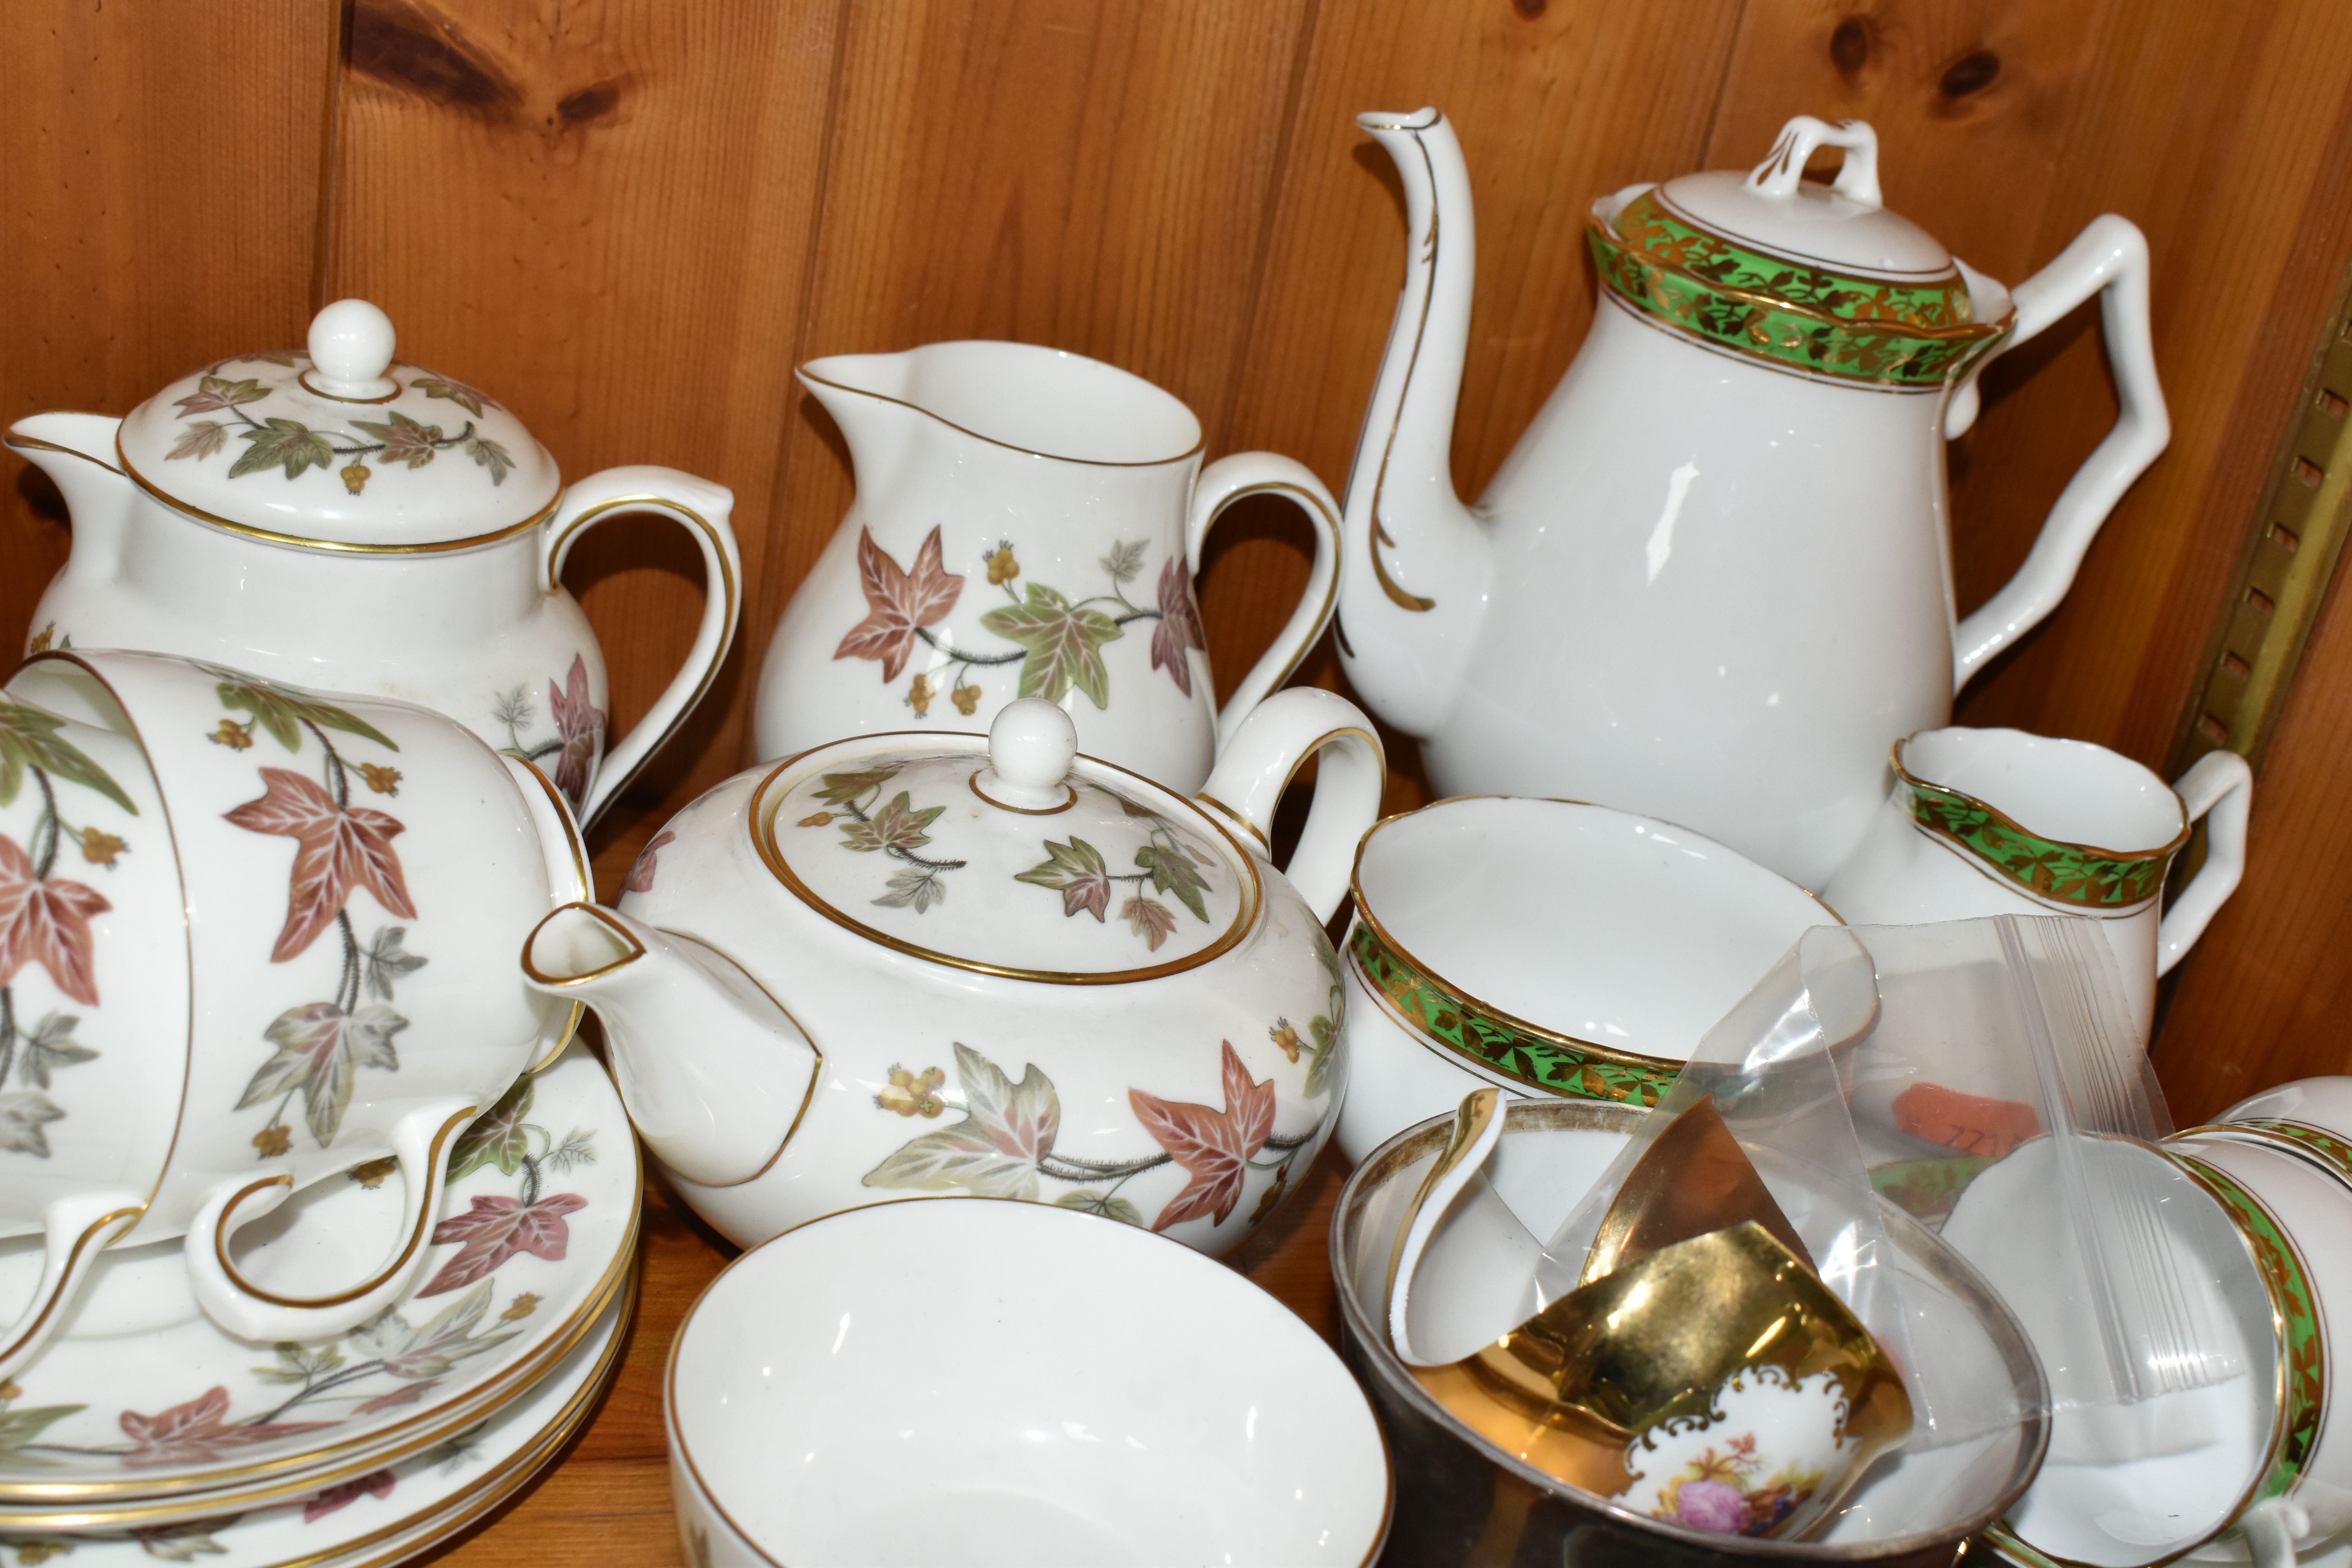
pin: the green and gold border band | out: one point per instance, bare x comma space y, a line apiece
1551, 1063
2064, 873
1795, 316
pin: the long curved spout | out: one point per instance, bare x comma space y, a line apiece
76, 451
715, 1074
1418, 559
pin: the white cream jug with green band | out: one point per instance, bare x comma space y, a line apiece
1991, 822
342, 519
1712, 582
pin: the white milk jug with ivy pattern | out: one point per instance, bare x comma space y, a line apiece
1712, 583
1028, 523
344, 520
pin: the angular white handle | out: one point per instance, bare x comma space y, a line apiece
76, 1229
703, 509
2223, 784
2108, 258
1267, 748
1221, 484
1477, 1128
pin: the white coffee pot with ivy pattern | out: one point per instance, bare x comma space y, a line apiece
1712, 583
344, 520
935, 962
250, 937
1027, 523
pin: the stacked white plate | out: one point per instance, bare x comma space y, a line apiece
143, 1431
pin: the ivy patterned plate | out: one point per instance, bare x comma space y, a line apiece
387, 1514
143, 1406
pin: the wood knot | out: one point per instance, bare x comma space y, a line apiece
595, 101
1850, 47
1529, 9
1972, 73
405, 46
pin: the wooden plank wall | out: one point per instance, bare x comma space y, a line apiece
630, 218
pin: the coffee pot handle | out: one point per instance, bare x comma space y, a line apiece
1268, 747
2108, 258
704, 510
2220, 788
420, 1142
76, 1229
1221, 484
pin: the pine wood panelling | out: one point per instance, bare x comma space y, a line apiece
158, 183
600, 211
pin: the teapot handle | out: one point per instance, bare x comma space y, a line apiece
1221, 484
2223, 784
1267, 748
2108, 258
703, 509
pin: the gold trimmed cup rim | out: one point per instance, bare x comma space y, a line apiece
1920, 781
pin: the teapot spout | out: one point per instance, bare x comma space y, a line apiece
76, 451
715, 1073
1413, 583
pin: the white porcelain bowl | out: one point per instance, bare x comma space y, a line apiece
1549, 947
974, 1382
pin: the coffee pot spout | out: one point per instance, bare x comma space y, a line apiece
714, 1072
76, 451
1414, 574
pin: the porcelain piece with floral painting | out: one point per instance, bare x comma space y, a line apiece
250, 936
342, 519
1989, 822
143, 1414
1028, 523
924, 962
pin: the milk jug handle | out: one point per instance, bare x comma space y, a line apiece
1221, 484
2108, 258
2220, 788
703, 509
75, 1229
420, 1143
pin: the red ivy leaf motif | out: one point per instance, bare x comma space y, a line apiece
898, 604
406, 1394
1180, 626
580, 724
641, 873
1214, 1146
495, 1229
341, 847
377, 1483
195, 1432
46, 922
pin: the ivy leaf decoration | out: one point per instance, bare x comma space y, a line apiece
489, 455
1110, 1205
219, 392
1180, 626
1213, 1146
1323, 1035
1077, 870
405, 440
841, 789
495, 1229
455, 391
299, 1364
18, 1427
1008, 1130
1125, 562
499, 1136
201, 439
917, 888
388, 961
51, 1045
22, 1116
321, 1050
1172, 871
1148, 919
29, 739
894, 826
431, 1348
283, 443
1064, 643
283, 709
898, 604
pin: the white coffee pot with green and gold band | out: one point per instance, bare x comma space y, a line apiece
1712, 583
1988, 822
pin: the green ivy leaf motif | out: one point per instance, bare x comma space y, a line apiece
917, 888
18, 1427
1077, 870
299, 1364
455, 391
405, 440
1064, 643
283, 709
51, 1045
491, 455
283, 443
1125, 562
1110, 1205
1173, 872
219, 392
1007, 1132
895, 825
388, 960
499, 1136
321, 1050
29, 739
22, 1117
842, 789
201, 439
1323, 1045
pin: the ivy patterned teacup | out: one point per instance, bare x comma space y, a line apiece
250, 936
1028, 523
344, 520
914, 963
1993, 821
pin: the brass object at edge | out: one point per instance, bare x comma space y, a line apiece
1693, 1179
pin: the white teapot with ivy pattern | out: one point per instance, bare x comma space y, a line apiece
344, 520
923, 962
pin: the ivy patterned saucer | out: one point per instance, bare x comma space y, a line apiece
389, 1514
143, 1408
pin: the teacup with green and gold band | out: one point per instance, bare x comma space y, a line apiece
1790, 314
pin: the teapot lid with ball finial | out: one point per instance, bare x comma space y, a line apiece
343, 447
1015, 857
